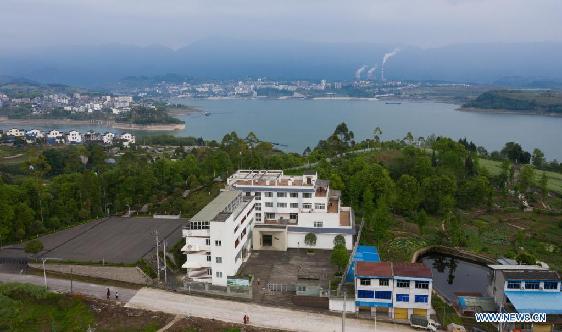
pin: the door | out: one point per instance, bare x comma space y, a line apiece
267, 240
420, 312
401, 313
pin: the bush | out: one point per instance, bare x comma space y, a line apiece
33, 246
146, 268
310, 239
339, 257
340, 240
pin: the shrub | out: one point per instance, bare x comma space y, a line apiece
33, 246
339, 257
339, 240
310, 239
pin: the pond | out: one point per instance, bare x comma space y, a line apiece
453, 276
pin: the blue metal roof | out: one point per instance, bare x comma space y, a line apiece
536, 301
362, 254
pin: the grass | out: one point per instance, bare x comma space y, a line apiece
445, 313
26, 307
554, 180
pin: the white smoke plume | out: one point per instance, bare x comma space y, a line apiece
385, 59
359, 71
371, 73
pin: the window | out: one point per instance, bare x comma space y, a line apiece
208, 258
208, 242
294, 195
210, 272
293, 216
319, 206
384, 295
318, 224
421, 298
248, 193
218, 274
306, 205
532, 285
365, 282
281, 205
270, 216
402, 298
294, 205
403, 283
383, 282
218, 243
280, 194
301, 288
258, 216
514, 284
268, 204
365, 294
218, 260
268, 194
422, 284
306, 195
258, 206
258, 196
550, 285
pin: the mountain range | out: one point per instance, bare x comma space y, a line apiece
513, 64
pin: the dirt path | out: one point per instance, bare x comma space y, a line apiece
260, 316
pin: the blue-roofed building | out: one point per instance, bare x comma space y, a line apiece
362, 254
529, 289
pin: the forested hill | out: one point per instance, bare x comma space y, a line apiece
539, 102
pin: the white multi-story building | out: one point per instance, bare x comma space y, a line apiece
289, 207
74, 137
399, 289
108, 137
15, 132
217, 238
127, 139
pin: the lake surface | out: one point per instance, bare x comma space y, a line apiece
301, 123
453, 276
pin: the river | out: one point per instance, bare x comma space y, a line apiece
297, 124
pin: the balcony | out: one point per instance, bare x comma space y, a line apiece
281, 221
194, 247
196, 232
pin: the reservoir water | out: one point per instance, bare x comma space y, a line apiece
301, 123
297, 124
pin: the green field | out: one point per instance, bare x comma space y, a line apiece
554, 180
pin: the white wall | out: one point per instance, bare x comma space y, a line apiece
323, 241
336, 304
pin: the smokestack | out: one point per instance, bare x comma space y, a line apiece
358, 72
371, 73
385, 58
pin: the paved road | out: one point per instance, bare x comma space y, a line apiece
261, 316
62, 285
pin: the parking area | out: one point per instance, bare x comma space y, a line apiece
113, 240
283, 270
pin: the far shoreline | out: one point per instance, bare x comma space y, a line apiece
505, 111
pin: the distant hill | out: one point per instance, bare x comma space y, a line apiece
288, 60
525, 101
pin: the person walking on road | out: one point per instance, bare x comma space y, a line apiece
117, 295
108, 294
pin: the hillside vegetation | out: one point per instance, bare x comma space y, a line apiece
540, 102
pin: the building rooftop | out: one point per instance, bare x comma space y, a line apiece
414, 270
225, 203
370, 269
389, 269
547, 302
270, 178
531, 275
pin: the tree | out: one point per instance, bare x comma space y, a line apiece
514, 152
543, 184
310, 239
538, 158
526, 178
339, 257
33, 246
339, 240
438, 193
408, 195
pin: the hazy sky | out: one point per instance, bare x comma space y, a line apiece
175, 23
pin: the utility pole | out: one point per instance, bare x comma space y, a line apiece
70, 280
343, 312
157, 257
165, 265
44, 272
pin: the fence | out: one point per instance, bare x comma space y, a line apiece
206, 288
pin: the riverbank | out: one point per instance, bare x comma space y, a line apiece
149, 127
506, 111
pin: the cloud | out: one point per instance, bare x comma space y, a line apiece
174, 23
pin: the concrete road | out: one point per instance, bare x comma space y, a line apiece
260, 316
62, 285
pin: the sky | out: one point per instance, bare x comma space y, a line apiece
28, 24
